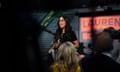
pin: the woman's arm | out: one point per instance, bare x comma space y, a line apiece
74, 39
76, 43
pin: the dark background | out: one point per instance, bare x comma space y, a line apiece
23, 30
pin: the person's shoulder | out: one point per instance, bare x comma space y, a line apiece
78, 68
54, 65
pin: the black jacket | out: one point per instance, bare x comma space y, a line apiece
100, 63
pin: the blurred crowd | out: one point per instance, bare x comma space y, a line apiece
103, 56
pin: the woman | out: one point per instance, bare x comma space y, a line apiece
67, 59
64, 33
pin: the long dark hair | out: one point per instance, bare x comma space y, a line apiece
68, 29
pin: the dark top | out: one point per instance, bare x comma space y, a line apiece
100, 63
63, 38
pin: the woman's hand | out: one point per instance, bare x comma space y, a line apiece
76, 43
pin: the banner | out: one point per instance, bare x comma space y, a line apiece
99, 23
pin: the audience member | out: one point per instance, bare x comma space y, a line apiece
101, 60
67, 59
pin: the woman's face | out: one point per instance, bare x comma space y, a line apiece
62, 22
